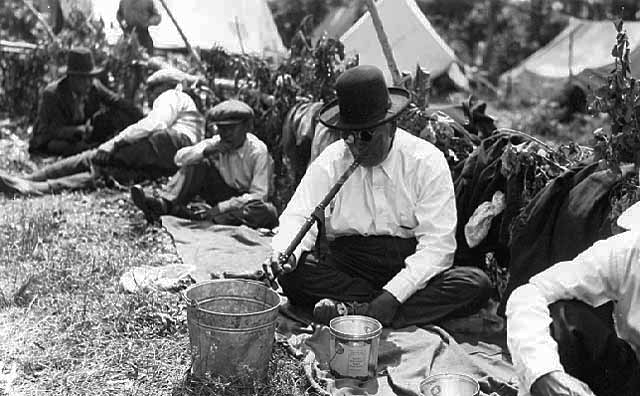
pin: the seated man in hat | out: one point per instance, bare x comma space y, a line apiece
136, 16
560, 344
230, 171
146, 147
78, 112
391, 226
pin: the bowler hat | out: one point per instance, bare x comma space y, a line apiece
230, 112
364, 101
80, 63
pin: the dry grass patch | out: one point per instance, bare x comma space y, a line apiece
67, 329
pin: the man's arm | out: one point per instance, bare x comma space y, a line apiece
164, 113
436, 214
314, 186
592, 277
260, 181
52, 124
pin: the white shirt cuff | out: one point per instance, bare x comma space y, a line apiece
400, 287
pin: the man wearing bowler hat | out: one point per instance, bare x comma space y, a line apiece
78, 112
390, 228
231, 171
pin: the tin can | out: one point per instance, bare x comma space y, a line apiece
449, 384
353, 347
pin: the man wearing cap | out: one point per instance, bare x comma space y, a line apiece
136, 16
231, 171
390, 228
560, 343
146, 147
77, 111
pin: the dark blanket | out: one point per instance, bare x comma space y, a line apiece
563, 219
479, 179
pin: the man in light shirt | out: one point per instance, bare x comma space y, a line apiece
146, 148
560, 343
390, 228
230, 171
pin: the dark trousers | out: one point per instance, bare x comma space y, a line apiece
204, 180
148, 157
144, 38
591, 351
356, 268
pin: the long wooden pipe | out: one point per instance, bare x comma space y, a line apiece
263, 275
313, 217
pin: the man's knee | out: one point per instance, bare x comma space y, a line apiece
474, 282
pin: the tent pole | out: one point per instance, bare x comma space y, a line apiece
184, 38
570, 56
384, 43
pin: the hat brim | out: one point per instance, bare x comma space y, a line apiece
92, 73
630, 218
228, 122
329, 114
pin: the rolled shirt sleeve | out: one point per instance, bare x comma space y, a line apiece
436, 214
592, 277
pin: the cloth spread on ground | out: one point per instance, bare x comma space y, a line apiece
406, 356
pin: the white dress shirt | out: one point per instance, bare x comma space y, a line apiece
247, 169
410, 194
607, 271
172, 109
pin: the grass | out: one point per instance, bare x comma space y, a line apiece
66, 328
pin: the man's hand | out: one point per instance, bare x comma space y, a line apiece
383, 308
219, 147
274, 266
102, 155
559, 383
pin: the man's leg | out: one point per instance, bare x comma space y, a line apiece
456, 292
15, 186
199, 179
66, 148
354, 270
591, 351
75, 164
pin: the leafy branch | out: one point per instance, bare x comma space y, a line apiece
620, 99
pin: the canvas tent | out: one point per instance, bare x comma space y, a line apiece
412, 38
236, 25
579, 56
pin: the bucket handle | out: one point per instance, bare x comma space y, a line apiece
193, 303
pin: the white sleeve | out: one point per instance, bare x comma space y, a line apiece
435, 232
592, 277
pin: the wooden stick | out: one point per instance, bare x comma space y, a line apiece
384, 43
184, 38
41, 19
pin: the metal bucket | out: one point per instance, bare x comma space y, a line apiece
353, 347
231, 328
449, 385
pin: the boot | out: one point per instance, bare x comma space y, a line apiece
152, 208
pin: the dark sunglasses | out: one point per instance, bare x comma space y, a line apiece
364, 135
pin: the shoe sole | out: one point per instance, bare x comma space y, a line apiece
139, 199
